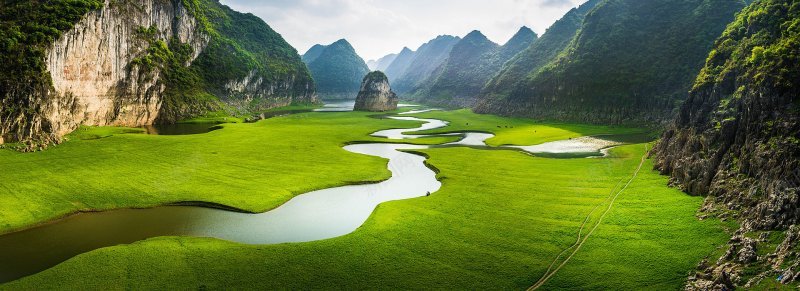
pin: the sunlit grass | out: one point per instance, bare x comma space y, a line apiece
499, 220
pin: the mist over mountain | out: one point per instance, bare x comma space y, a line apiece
382, 63
400, 64
426, 60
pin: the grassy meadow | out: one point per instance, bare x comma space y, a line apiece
499, 220
518, 131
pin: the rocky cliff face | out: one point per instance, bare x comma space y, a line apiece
133, 63
737, 140
376, 94
93, 81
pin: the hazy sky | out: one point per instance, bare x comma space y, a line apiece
379, 27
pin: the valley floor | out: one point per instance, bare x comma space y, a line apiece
498, 222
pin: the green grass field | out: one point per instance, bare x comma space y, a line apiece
254, 167
519, 131
499, 220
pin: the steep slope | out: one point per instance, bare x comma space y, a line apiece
631, 62
375, 94
537, 55
428, 57
338, 71
136, 62
313, 53
737, 139
400, 64
382, 63
471, 63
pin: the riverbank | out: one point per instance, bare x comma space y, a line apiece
499, 219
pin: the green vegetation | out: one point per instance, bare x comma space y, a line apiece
518, 131
27, 28
337, 70
485, 229
631, 62
240, 45
544, 50
250, 166
422, 64
767, 57
496, 228
472, 62
748, 88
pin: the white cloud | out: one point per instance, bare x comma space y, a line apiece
379, 27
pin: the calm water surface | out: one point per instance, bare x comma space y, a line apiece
312, 216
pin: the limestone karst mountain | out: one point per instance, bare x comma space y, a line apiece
337, 69
376, 94
382, 63
155, 61
737, 140
631, 62
426, 60
470, 64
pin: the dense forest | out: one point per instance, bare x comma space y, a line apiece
531, 59
632, 61
471, 63
337, 69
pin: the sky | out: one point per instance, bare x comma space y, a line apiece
379, 27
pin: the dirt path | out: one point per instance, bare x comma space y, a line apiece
579, 242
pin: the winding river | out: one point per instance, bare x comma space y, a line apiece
311, 216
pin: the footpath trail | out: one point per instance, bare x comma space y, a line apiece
581, 240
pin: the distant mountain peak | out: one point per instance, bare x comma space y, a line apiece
523, 37
524, 30
313, 53
475, 34
341, 41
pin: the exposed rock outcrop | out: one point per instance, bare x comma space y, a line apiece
376, 94
93, 82
737, 140
133, 63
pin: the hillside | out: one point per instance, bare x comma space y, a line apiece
427, 58
382, 63
313, 53
400, 64
471, 63
736, 140
158, 62
631, 62
337, 70
530, 60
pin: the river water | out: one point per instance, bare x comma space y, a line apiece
317, 215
